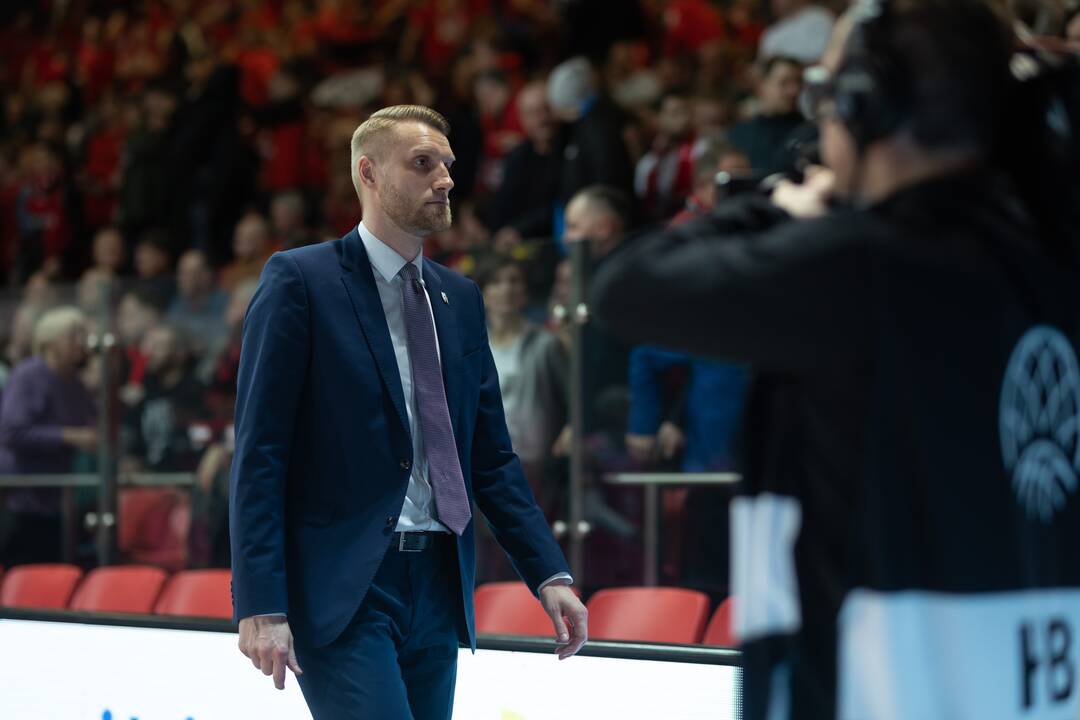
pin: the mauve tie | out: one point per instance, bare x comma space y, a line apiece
444, 469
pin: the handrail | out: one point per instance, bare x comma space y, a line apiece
80, 480
651, 484
724, 478
68, 483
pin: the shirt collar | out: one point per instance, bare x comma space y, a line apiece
384, 258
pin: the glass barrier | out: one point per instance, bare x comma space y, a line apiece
116, 423
116, 426
629, 450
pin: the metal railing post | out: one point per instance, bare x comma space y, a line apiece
69, 527
651, 557
578, 316
105, 340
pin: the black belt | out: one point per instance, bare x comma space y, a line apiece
416, 541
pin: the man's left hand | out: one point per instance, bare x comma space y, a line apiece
569, 616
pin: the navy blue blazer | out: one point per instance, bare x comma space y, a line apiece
323, 450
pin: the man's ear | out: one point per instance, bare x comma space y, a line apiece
367, 170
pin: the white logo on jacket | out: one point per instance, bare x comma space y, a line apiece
1039, 421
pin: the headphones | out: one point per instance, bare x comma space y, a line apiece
868, 88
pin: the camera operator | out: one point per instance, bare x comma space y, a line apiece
904, 541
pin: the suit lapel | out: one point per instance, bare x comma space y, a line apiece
367, 305
449, 341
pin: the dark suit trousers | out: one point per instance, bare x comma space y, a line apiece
397, 658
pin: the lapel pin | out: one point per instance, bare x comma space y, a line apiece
445, 299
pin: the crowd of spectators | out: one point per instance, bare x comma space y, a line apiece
154, 153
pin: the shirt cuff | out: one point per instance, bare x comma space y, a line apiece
270, 615
555, 579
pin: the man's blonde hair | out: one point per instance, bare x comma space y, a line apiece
368, 138
55, 324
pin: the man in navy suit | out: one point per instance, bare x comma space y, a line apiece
368, 423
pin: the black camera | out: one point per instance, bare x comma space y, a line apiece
806, 150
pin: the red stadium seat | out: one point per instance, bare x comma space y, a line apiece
719, 630
153, 526
509, 608
47, 586
120, 588
647, 614
197, 593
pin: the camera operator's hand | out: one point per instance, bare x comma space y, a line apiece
809, 199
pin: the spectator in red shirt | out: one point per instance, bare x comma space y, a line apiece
282, 139
342, 26
664, 177
139, 56
689, 24
101, 170
95, 61
258, 61
499, 123
300, 27
135, 315
437, 29
43, 219
712, 155
47, 64
744, 21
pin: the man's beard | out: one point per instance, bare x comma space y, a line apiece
419, 221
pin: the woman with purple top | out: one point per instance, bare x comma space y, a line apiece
46, 414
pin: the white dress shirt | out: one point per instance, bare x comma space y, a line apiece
418, 512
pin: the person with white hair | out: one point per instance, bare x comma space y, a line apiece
46, 415
801, 31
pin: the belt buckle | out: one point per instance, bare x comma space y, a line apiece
401, 543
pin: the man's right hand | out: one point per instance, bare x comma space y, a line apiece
268, 642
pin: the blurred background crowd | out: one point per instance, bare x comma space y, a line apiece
154, 153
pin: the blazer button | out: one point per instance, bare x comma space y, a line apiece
391, 521
405, 464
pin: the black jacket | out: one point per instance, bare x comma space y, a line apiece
526, 198
912, 444
594, 151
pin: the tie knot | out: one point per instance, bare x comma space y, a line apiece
409, 272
